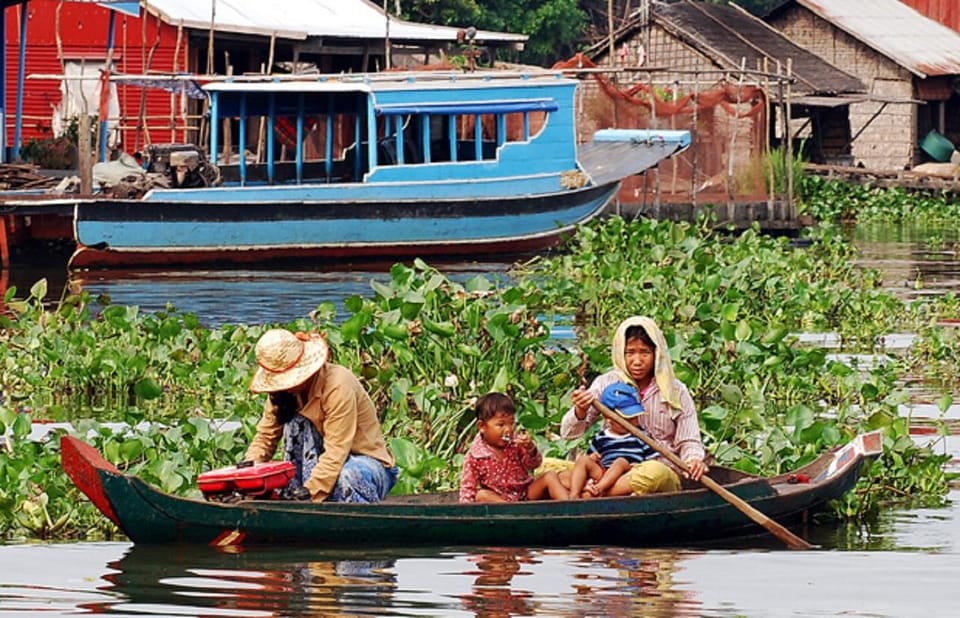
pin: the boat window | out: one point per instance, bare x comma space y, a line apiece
442, 132
400, 140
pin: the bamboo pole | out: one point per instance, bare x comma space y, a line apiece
694, 133
386, 39
83, 152
227, 134
789, 135
142, 126
673, 125
766, 136
610, 41
262, 130
733, 136
213, 16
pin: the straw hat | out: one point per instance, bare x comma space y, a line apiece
287, 360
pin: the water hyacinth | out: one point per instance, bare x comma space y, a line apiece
166, 398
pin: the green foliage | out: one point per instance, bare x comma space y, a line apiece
153, 391
54, 153
554, 26
836, 200
729, 306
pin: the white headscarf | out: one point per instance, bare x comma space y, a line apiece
663, 366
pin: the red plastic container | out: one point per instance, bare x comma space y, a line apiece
253, 479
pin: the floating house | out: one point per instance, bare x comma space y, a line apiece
738, 84
910, 63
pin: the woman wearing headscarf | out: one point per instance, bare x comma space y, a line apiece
641, 358
327, 420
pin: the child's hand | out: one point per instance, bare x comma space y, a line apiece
524, 441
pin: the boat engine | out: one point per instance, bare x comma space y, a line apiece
184, 165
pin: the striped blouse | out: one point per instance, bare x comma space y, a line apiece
678, 430
612, 446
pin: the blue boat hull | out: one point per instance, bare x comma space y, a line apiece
128, 232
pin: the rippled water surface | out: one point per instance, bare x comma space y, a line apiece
755, 579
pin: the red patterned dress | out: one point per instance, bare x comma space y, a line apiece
505, 472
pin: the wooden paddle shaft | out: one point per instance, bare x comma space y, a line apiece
792, 540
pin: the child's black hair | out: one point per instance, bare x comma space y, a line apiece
491, 403
638, 332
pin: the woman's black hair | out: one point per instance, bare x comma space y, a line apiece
491, 403
285, 404
639, 332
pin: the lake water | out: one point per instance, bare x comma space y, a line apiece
904, 565
231, 296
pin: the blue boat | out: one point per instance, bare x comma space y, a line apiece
461, 164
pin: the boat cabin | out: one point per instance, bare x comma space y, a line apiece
425, 127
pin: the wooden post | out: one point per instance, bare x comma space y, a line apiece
610, 42
227, 134
766, 134
693, 139
733, 135
789, 135
386, 39
673, 125
83, 154
261, 134
213, 15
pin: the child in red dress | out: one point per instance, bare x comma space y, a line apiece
497, 467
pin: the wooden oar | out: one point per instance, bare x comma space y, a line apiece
792, 540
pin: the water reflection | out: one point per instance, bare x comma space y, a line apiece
493, 595
277, 582
916, 261
252, 296
116, 579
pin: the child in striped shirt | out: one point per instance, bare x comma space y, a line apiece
613, 451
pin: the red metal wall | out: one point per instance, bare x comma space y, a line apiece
947, 12
83, 34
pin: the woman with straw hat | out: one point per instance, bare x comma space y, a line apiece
327, 420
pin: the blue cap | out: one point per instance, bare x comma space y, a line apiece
623, 398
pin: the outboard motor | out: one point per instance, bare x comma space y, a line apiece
183, 165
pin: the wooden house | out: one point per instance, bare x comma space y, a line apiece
723, 73
164, 37
909, 62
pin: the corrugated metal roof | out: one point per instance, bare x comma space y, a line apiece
729, 34
905, 36
299, 19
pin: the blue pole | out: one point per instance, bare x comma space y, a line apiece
299, 159
18, 121
214, 126
372, 134
102, 155
243, 139
328, 147
271, 113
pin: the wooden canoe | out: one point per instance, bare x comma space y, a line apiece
149, 516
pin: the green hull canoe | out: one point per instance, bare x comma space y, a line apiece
149, 516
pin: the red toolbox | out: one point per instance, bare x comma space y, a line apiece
247, 478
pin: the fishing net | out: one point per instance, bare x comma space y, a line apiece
727, 122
